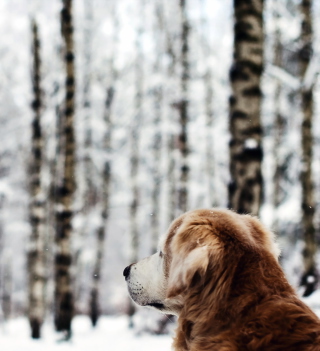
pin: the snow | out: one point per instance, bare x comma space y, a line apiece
250, 143
111, 334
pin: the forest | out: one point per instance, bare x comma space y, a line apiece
116, 117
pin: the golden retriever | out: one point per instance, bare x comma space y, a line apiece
219, 273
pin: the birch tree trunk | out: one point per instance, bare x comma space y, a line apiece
208, 103
135, 156
101, 232
158, 95
172, 187
173, 117
1, 264
134, 142
106, 177
158, 101
7, 284
36, 261
245, 189
310, 277
63, 259
209, 138
55, 168
183, 109
90, 192
5, 278
279, 126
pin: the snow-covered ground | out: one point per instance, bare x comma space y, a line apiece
112, 334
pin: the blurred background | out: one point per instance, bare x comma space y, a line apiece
117, 116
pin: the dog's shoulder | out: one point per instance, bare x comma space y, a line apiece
280, 324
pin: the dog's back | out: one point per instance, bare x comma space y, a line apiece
273, 317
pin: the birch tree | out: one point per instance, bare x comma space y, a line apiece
136, 122
90, 192
36, 262
1, 262
134, 143
63, 259
245, 189
183, 107
310, 277
279, 125
7, 283
5, 277
208, 103
172, 186
101, 231
86, 169
172, 115
106, 183
157, 141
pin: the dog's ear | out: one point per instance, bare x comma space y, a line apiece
192, 247
185, 268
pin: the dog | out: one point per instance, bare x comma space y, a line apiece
218, 271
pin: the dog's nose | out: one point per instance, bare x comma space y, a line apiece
126, 272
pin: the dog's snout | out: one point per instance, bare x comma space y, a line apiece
126, 271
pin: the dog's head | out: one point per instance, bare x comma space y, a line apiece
196, 248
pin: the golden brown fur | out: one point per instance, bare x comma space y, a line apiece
224, 268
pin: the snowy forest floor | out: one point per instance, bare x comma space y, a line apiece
111, 334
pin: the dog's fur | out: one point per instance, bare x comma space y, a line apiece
219, 272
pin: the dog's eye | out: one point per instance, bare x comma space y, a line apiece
160, 254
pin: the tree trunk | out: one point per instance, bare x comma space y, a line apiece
63, 259
91, 191
208, 103
183, 110
310, 277
245, 189
172, 203
135, 157
279, 126
95, 310
7, 285
5, 278
36, 262
172, 118
209, 138
135, 152
101, 232
55, 171
158, 94
1, 265
158, 102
